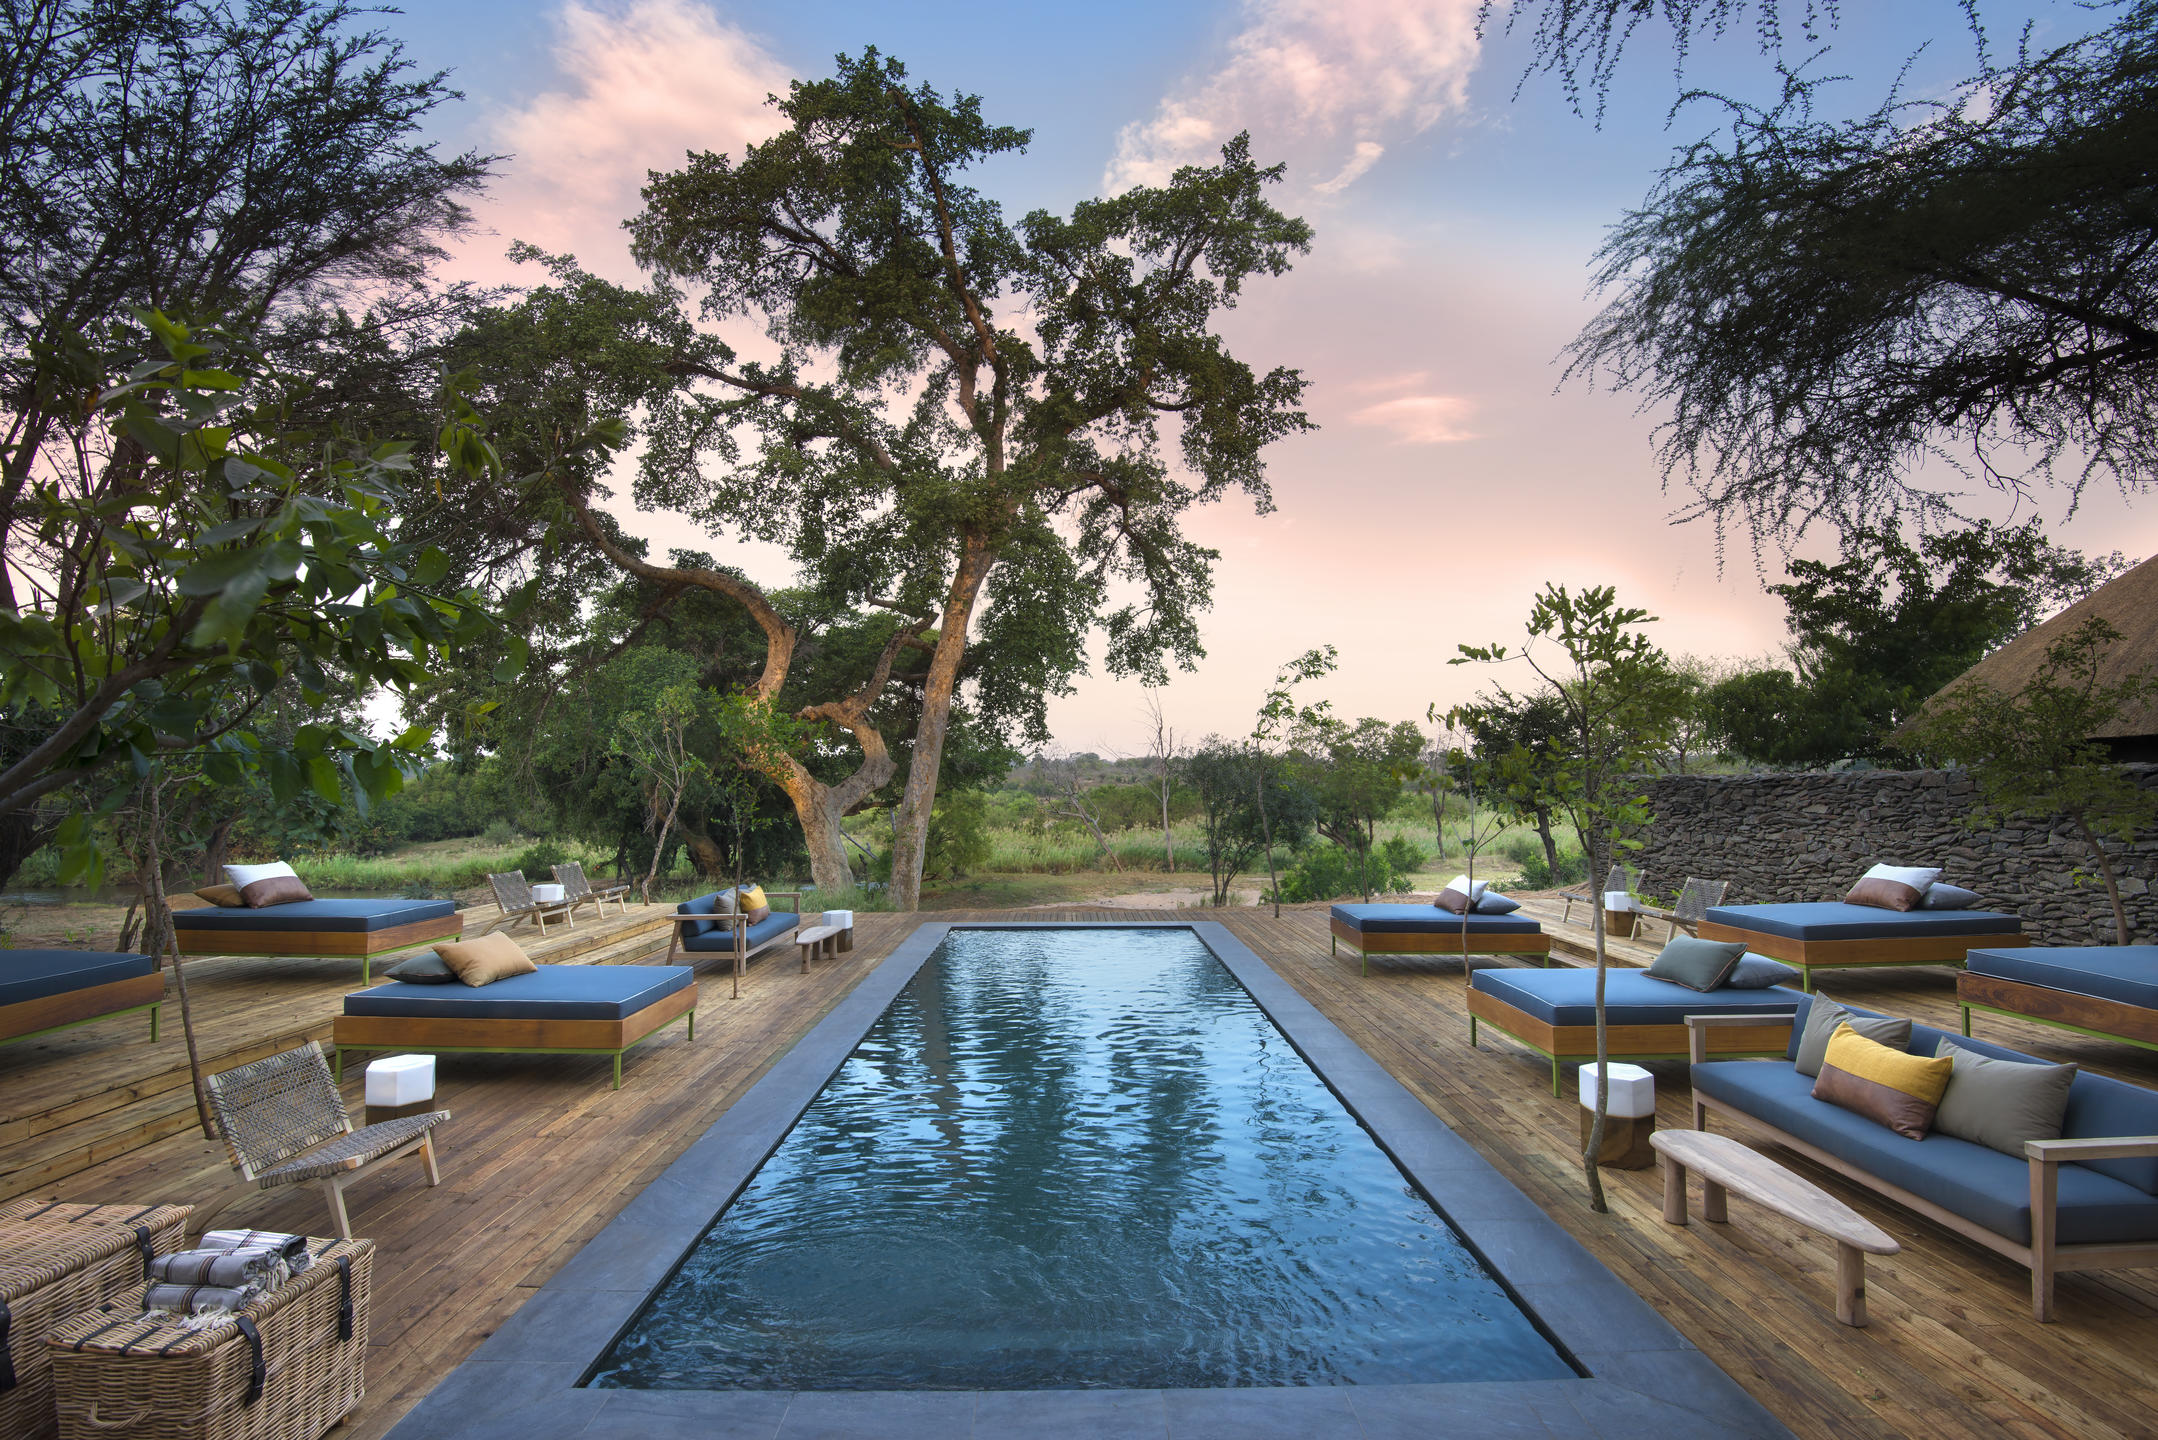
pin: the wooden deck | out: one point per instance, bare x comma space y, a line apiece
542, 1153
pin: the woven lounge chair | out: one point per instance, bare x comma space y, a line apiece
1694, 898
513, 893
1618, 879
285, 1124
578, 890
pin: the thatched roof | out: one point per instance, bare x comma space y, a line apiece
2131, 604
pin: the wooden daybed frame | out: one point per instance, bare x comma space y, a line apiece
29, 1019
476, 1035
1434, 942
1576, 1044
2098, 1016
1872, 952
365, 946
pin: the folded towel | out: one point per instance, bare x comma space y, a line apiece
292, 1248
197, 1299
257, 1265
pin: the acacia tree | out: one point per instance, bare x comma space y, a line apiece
1048, 365
1821, 306
1614, 688
2032, 754
1355, 777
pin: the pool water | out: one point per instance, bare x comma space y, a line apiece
1069, 1159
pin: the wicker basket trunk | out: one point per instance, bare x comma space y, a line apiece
68, 1259
287, 1367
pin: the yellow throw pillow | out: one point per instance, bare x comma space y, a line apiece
1886, 1085
493, 956
754, 906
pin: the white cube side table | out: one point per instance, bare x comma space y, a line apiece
399, 1085
843, 922
1629, 1118
549, 894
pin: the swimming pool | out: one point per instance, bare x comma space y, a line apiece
1085, 1159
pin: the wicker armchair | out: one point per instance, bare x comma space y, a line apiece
1694, 900
1618, 879
578, 890
285, 1124
513, 894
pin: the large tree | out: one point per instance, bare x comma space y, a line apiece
967, 420
1969, 283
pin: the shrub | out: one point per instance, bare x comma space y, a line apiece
1328, 872
1573, 868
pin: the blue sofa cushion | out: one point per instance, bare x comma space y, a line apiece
316, 915
1568, 997
1980, 1184
702, 905
2127, 973
552, 992
721, 938
1837, 921
1428, 920
35, 974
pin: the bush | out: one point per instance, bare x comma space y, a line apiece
1328, 872
958, 839
1573, 867
499, 833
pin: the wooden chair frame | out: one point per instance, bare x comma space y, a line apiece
513, 896
2045, 1257
1694, 899
1618, 879
578, 890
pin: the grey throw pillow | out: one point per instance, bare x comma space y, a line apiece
1493, 903
1758, 972
1697, 964
2002, 1103
1943, 896
425, 968
1826, 1015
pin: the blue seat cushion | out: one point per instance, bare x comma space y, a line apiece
552, 992
1428, 920
35, 974
2127, 973
721, 937
1834, 920
1568, 997
315, 915
1980, 1184
702, 905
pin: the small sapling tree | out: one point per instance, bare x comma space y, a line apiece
1621, 707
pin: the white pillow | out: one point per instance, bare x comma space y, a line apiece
1918, 877
1460, 886
1940, 895
242, 876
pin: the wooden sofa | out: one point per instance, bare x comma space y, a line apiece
1553, 1012
2087, 1201
701, 931
555, 1010
1427, 930
1830, 935
46, 990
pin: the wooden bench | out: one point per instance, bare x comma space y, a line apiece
819, 940
1725, 1164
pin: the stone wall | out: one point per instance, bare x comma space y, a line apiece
1809, 836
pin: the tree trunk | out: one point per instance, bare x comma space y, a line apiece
1266, 830
1551, 844
1595, 1148
659, 844
819, 809
1168, 838
2113, 884
704, 851
910, 831
158, 921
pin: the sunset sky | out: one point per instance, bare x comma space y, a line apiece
1455, 225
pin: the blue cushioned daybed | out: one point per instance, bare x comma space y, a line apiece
46, 990
2084, 1202
1553, 1012
362, 930
1831, 935
557, 1009
2110, 991
700, 928
1427, 930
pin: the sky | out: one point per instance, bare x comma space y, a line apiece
1456, 208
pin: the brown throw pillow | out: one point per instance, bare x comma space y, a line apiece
1888, 1086
493, 956
1884, 895
276, 890
228, 896
1452, 901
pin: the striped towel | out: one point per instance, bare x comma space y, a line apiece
197, 1299
251, 1266
292, 1248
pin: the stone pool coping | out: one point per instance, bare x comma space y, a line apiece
1641, 1378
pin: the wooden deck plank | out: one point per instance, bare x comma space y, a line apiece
542, 1154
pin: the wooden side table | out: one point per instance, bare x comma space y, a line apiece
1726, 1165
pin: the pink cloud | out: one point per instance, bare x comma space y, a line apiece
1326, 80
638, 89
1420, 419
